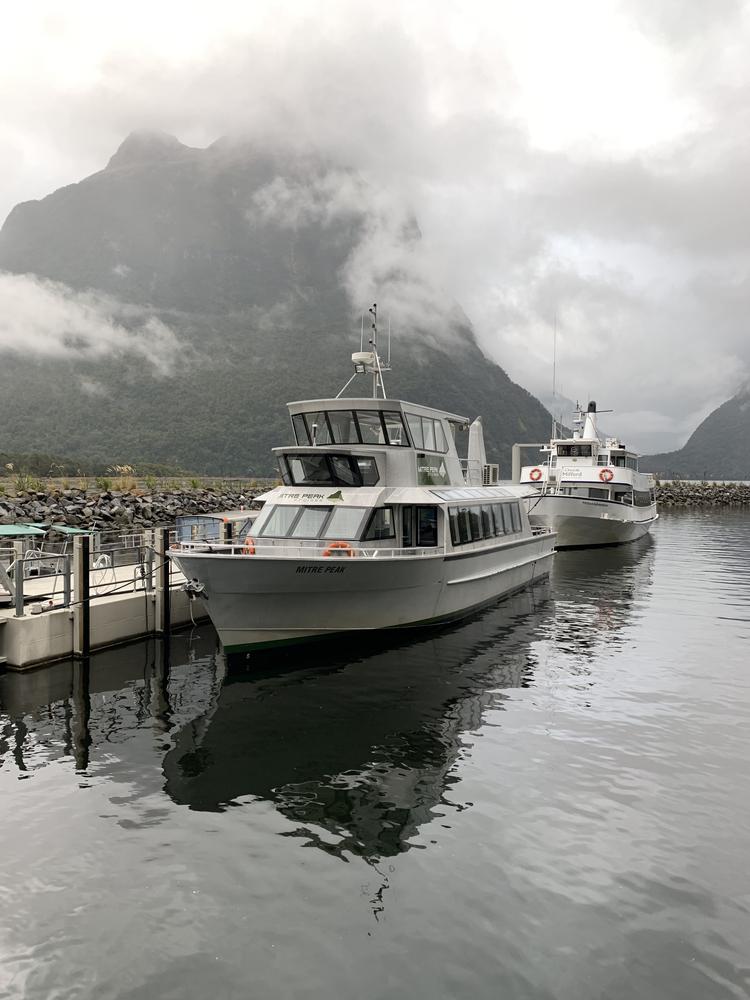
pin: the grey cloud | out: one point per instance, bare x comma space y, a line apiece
642, 256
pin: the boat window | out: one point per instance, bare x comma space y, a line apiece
618, 461
309, 522
487, 521
515, 511
475, 523
317, 427
455, 533
507, 518
464, 525
597, 493
370, 427
343, 427
440, 444
642, 498
345, 522
344, 471
428, 432
278, 523
427, 531
368, 470
300, 429
328, 470
395, 429
308, 470
380, 525
574, 450
407, 527
497, 510
415, 426
603, 459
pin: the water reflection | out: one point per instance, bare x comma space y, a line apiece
354, 741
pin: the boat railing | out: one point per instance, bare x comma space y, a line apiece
319, 549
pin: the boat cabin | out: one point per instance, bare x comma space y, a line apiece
224, 526
377, 474
589, 467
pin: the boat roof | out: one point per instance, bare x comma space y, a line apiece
368, 403
19, 530
220, 515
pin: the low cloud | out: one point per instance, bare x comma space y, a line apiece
579, 166
49, 319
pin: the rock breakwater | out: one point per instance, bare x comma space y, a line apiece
680, 493
123, 512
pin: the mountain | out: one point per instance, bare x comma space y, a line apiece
197, 290
718, 449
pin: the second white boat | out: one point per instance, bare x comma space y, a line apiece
588, 490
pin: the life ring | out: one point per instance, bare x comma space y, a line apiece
343, 547
606, 475
248, 548
535, 475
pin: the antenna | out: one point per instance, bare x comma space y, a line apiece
554, 359
368, 362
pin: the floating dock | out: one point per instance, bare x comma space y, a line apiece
59, 605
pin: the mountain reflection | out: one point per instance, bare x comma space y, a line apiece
354, 742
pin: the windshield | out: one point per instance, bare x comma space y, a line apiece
328, 470
291, 521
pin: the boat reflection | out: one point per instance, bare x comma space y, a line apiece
354, 742
355, 747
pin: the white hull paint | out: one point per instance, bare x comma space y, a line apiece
583, 523
255, 601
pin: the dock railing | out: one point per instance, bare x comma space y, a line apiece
128, 564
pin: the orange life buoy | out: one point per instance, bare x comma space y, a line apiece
535, 475
606, 475
248, 549
344, 548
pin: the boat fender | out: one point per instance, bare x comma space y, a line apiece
535, 475
342, 548
248, 548
606, 475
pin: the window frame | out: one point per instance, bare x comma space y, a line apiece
368, 525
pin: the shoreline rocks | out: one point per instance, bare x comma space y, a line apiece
132, 511
680, 493
118, 511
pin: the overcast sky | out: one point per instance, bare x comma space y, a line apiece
583, 163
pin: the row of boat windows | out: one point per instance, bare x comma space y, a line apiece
635, 498
472, 524
380, 427
584, 451
419, 524
328, 469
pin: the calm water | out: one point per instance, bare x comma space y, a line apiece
551, 800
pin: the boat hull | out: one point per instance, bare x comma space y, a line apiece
256, 601
581, 523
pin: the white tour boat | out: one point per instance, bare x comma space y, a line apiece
376, 526
588, 490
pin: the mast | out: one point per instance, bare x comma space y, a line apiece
368, 362
376, 376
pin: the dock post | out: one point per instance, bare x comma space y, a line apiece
81, 596
18, 577
66, 581
163, 609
